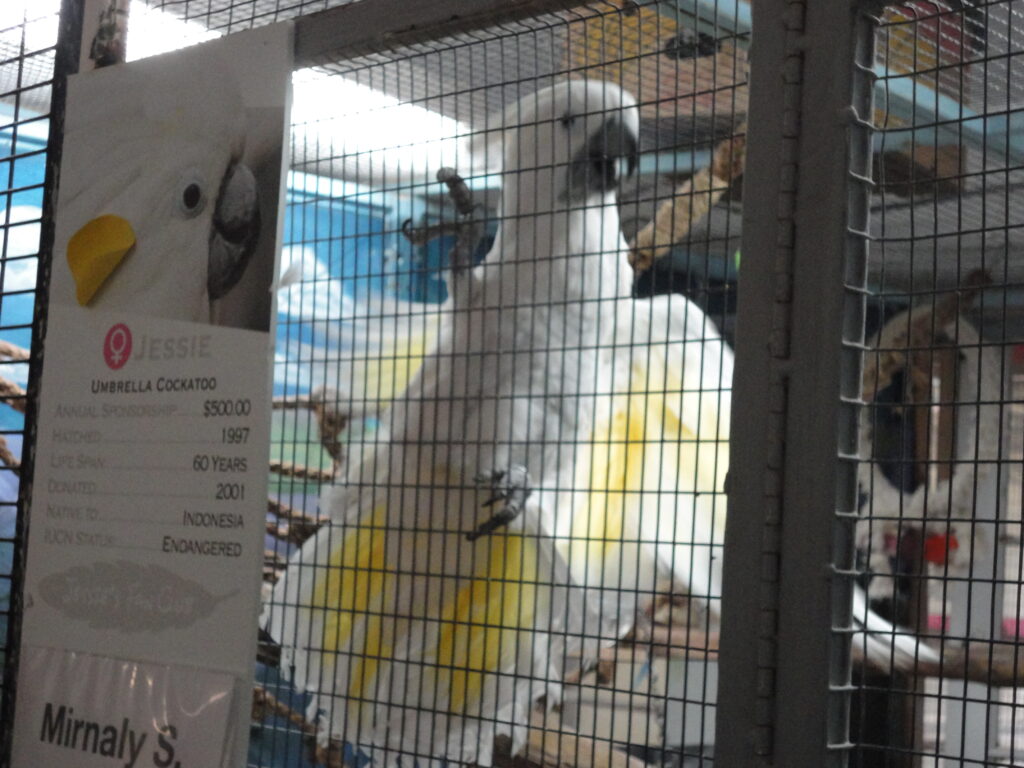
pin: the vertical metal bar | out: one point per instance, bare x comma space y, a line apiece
783, 698
746, 684
69, 37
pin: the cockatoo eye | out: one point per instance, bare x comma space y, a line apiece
191, 195
567, 121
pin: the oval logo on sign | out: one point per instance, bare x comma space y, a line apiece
117, 346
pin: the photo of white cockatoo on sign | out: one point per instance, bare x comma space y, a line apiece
169, 192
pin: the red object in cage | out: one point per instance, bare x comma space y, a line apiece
945, 27
938, 547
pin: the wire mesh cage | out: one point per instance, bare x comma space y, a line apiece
28, 41
376, 252
503, 376
451, 625
434, 644
939, 485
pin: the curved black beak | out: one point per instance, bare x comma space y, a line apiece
609, 155
235, 230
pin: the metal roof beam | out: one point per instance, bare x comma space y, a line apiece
364, 28
933, 118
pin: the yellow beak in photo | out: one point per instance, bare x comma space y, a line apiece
95, 251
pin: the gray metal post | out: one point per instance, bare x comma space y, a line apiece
792, 481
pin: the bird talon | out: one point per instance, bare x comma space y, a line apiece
510, 486
492, 477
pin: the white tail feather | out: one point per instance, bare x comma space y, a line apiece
883, 644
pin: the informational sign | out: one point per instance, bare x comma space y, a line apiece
148, 510
96, 711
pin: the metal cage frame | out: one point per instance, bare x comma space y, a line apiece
69, 34
785, 690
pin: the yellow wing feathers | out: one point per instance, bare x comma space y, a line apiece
377, 376
367, 600
399, 623
482, 628
654, 470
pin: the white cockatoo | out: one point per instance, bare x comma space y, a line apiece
561, 447
418, 632
159, 210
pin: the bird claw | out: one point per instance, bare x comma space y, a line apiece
511, 486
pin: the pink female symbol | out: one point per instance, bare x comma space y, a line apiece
117, 347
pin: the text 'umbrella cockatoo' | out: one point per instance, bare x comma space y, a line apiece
561, 446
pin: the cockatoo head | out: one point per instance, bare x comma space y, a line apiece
569, 143
158, 210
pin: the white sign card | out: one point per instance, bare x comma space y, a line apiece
97, 712
148, 514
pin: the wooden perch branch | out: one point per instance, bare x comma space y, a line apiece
273, 566
549, 746
291, 469
992, 663
293, 524
909, 342
292, 403
13, 395
266, 705
330, 417
13, 351
8, 458
690, 203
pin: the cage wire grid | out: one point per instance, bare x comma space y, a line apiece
361, 304
940, 531
390, 290
412, 78
28, 45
